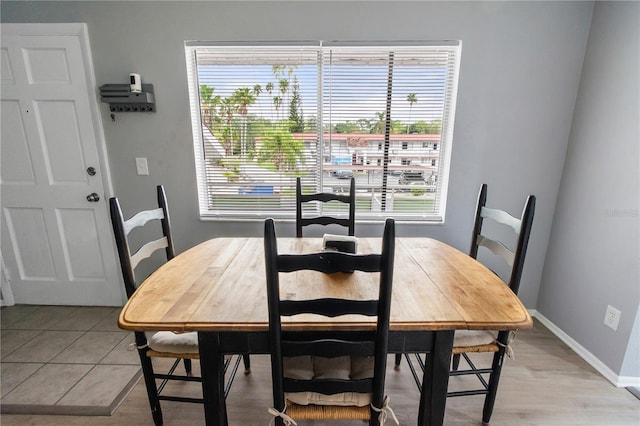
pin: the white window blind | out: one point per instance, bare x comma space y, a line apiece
264, 115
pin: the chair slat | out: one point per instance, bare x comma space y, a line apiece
329, 307
497, 248
329, 348
147, 250
329, 262
141, 218
324, 220
325, 197
503, 217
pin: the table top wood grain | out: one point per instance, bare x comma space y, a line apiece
219, 285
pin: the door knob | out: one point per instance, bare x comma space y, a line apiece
93, 197
91, 171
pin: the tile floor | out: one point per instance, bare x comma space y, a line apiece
64, 360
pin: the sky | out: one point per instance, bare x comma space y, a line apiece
350, 92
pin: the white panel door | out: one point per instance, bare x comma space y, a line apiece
56, 237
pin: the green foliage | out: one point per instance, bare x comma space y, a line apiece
433, 127
232, 166
243, 97
347, 127
295, 110
281, 149
418, 190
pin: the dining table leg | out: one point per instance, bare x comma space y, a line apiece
433, 395
212, 370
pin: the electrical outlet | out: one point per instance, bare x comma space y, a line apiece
142, 167
612, 317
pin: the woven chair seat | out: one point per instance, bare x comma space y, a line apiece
493, 347
474, 341
155, 354
333, 412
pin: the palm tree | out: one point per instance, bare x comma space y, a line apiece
257, 90
284, 88
277, 70
269, 89
380, 124
243, 98
296, 118
277, 102
227, 108
208, 104
281, 149
412, 99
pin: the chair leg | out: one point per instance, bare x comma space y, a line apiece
247, 363
373, 419
187, 367
455, 362
494, 378
150, 384
396, 367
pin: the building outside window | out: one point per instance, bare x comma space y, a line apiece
263, 115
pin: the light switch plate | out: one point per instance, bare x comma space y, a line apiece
142, 167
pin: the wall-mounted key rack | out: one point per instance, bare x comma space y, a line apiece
121, 99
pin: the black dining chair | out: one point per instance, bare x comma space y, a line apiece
470, 341
330, 374
162, 344
325, 197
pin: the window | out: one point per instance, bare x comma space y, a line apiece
263, 115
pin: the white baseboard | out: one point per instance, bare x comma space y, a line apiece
618, 381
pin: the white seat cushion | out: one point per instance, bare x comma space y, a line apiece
178, 343
345, 367
345, 399
467, 338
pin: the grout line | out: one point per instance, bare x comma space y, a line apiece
28, 377
75, 384
6, 355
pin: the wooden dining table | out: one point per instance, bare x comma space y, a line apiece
218, 289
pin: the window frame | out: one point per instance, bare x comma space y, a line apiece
445, 140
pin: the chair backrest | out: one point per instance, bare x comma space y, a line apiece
329, 344
325, 197
122, 228
521, 226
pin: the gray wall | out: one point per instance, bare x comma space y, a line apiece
519, 77
593, 258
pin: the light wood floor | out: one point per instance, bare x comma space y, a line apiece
546, 384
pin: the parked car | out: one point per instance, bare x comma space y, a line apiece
408, 177
342, 174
